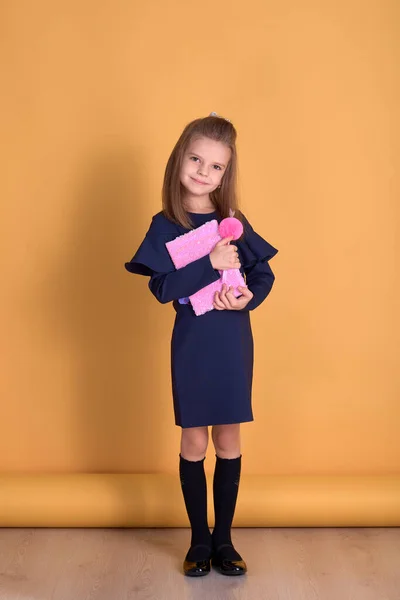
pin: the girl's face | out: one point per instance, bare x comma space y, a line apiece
203, 166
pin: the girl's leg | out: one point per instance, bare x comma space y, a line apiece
194, 443
226, 439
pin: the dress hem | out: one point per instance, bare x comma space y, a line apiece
211, 424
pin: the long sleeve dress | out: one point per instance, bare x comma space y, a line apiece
212, 354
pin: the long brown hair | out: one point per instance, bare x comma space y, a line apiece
224, 198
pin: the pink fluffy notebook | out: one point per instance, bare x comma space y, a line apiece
194, 245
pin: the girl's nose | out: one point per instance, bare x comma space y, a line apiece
202, 171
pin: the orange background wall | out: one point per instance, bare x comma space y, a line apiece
95, 96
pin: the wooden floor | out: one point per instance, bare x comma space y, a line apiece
121, 564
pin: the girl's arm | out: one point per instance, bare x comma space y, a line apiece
259, 280
183, 282
255, 252
166, 282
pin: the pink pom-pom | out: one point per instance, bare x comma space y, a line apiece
230, 227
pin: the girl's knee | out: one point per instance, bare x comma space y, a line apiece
226, 439
194, 442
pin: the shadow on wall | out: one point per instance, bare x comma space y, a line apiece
106, 316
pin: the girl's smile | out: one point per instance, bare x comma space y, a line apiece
200, 182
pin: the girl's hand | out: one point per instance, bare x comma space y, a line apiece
224, 256
225, 300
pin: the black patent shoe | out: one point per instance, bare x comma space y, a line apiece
222, 562
200, 567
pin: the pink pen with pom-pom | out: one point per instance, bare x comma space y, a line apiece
229, 227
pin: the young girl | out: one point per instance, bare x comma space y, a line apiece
211, 354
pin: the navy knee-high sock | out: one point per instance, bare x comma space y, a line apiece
194, 489
225, 488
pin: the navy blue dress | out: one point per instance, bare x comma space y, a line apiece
211, 354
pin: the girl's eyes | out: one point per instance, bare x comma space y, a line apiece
197, 158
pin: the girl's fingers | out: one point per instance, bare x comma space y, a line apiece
217, 301
242, 301
245, 291
223, 297
231, 298
225, 241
